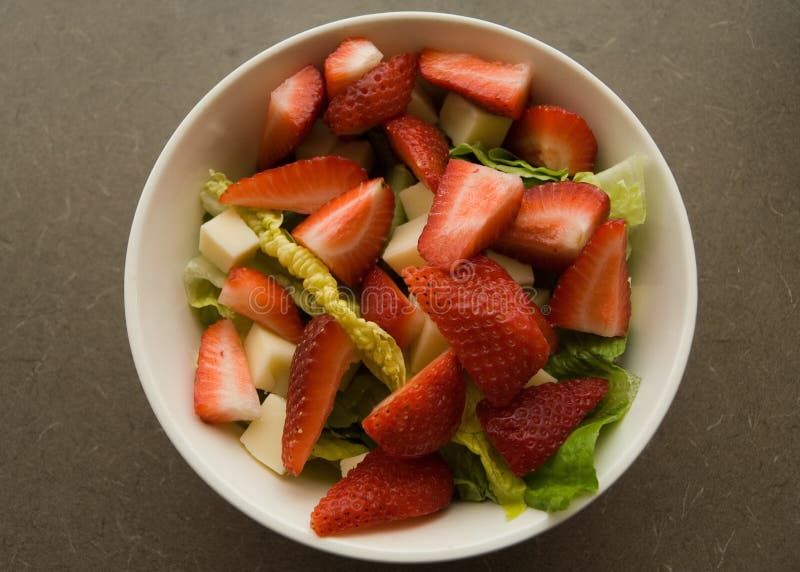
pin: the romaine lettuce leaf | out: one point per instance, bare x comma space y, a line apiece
624, 184
212, 190
469, 476
503, 160
356, 402
333, 447
399, 178
202, 282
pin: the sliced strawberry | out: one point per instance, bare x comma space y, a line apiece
385, 304
552, 137
473, 206
424, 414
348, 232
223, 388
320, 360
352, 59
302, 186
380, 94
487, 319
263, 300
548, 331
498, 87
293, 107
529, 430
594, 294
554, 223
421, 146
383, 489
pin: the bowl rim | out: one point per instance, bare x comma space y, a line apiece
195, 460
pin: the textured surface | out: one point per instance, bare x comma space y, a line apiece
90, 93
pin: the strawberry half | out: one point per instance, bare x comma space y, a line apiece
529, 430
552, 137
320, 360
302, 186
594, 294
487, 319
348, 232
554, 223
548, 331
473, 206
223, 388
383, 489
498, 87
352, 59
385, 304
380, 94
424, 414
421, 146
293, 107
263, 300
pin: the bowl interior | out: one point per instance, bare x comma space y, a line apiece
222, 133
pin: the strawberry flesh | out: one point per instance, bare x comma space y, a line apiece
529, 430
385, 304
421, 146
352, 59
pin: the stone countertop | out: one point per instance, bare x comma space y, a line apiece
90, 93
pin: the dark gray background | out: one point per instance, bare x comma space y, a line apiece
90, 91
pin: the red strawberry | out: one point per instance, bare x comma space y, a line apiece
594, 294
353, 58
529, 430
380, 94
385, 304
263, 300
320, 360
552, 137
223, 388
487, 319
421, 146
293, 107
302, 186
554, 223
424, 414
548, 331
498, 87
473, 206
383, 489
348, 232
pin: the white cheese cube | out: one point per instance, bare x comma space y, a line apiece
539, 378
359, 152
421, 106
270, 358
263, 437
348, 464
427, 347
521, 273
319, 141
417, 200
227, 241
465, 122
402, 248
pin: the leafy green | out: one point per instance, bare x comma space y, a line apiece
469, 475
399, 178
333, 447
570, 471
202, 282
355, 403
503, 160
624, 184
212, 190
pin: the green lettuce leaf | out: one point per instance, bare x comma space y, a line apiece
503, 160
202, 282
469, 476
212, 190
399, 178
624, 184
355, 402
333, 447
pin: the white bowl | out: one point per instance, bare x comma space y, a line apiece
222, 132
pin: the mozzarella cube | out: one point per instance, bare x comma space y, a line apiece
417, 200
427, 347
270, 358
540, 378
520, 272
263, 437
348, 464
319, 141
359, 152
465, 122
421, 106
227, 241
402, 248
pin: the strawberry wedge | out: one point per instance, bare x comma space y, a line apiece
594, 294
498, 87
421, 146
223, 388
473, 206
320, 360
263, 300
302, 186
293, 107
352, 59
348, 232
385, 304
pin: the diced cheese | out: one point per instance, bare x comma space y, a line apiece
357, 151
465, 122
319, 141
402, 248
540, 378
521, 273
227, 241
427, 347
263, 437
348, 464
270, 358
417, 200
421, 106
